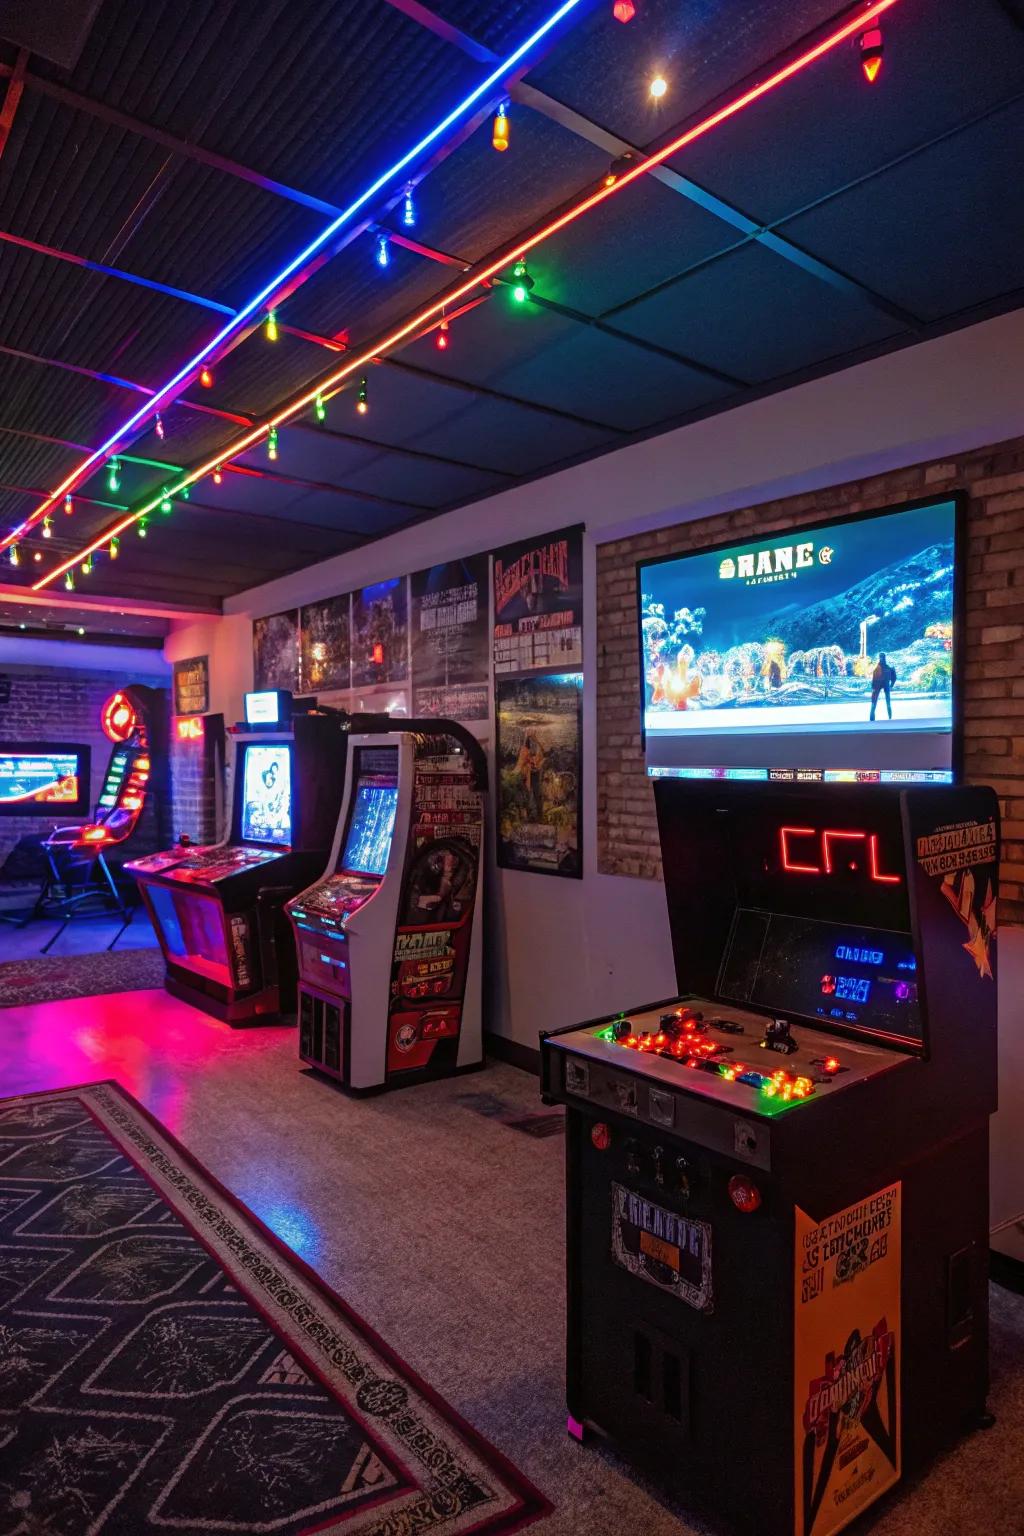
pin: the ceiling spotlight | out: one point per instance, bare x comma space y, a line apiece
623, 10
658, 87
871, 50
618, 168
81, 629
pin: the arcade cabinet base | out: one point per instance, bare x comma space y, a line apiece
252, 1010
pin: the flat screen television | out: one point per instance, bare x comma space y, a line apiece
267, 795
371, 828
44, 778
826, 653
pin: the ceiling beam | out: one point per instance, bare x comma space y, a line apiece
12, 96
24, 597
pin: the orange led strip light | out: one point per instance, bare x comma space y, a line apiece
420, 321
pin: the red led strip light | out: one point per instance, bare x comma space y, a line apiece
421, 321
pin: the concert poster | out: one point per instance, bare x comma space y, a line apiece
380, 634
325, 645
539, 772
538, 604
275, 651
449, 640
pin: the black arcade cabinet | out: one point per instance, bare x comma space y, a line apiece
778, 1181
218, 910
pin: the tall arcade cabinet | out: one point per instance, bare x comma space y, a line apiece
390, 939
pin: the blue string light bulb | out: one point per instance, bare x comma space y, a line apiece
383, 257
408, 208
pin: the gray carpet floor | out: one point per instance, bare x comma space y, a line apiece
442, 1227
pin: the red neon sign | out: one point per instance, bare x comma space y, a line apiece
825, 850
190, 727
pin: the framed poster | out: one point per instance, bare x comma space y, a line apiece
325, 649
380, 634
538, 604
192, 686
449, 640
275, 651
539, 770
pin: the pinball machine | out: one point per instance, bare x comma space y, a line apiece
218, 909
777, 1182
390, 938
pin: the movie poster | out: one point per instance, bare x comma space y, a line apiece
449, 640
539, 761
847, 1345
325, 648
538, 604
380, 634
275, 651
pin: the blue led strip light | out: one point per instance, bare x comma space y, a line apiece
496, 76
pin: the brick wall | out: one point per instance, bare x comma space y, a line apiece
197, 778
994, 676
61, 704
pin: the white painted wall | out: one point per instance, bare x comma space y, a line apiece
566, 950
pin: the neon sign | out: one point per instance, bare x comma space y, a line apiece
828, 850
189, 727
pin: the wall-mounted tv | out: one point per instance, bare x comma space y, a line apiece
827, 652
267, 795
44, 778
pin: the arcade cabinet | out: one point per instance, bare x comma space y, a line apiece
217, 910
77, 875
778, 1181
390, 939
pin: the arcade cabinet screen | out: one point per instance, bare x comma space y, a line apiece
36, 779
817, 654
371, 828
267, 795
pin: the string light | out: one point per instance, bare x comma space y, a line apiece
206, 378
86, 566
69, 582
47, 527
441, 337
184, 493
161, 431
320, 408
143, 527
69, 505
114, 475
271, 326
165, 505
658, 87
415, 324
524, 282
499, 130
14, 555
408, 208
617, 167
383, 257
218, 475
272, 443
871, 50
114, 549
38, 555
623, 10
362, 404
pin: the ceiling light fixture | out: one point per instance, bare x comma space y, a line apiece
480, 93
658, 87
416, 324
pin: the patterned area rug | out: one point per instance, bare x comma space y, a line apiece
48, 978
167, 1366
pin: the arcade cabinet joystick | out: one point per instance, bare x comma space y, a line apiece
778, 1037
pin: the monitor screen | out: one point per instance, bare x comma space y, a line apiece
823, 653
272, 706
371, 827
267, 795
36, 780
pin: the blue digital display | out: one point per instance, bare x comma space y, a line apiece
371, 828
861, 956
853, 989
